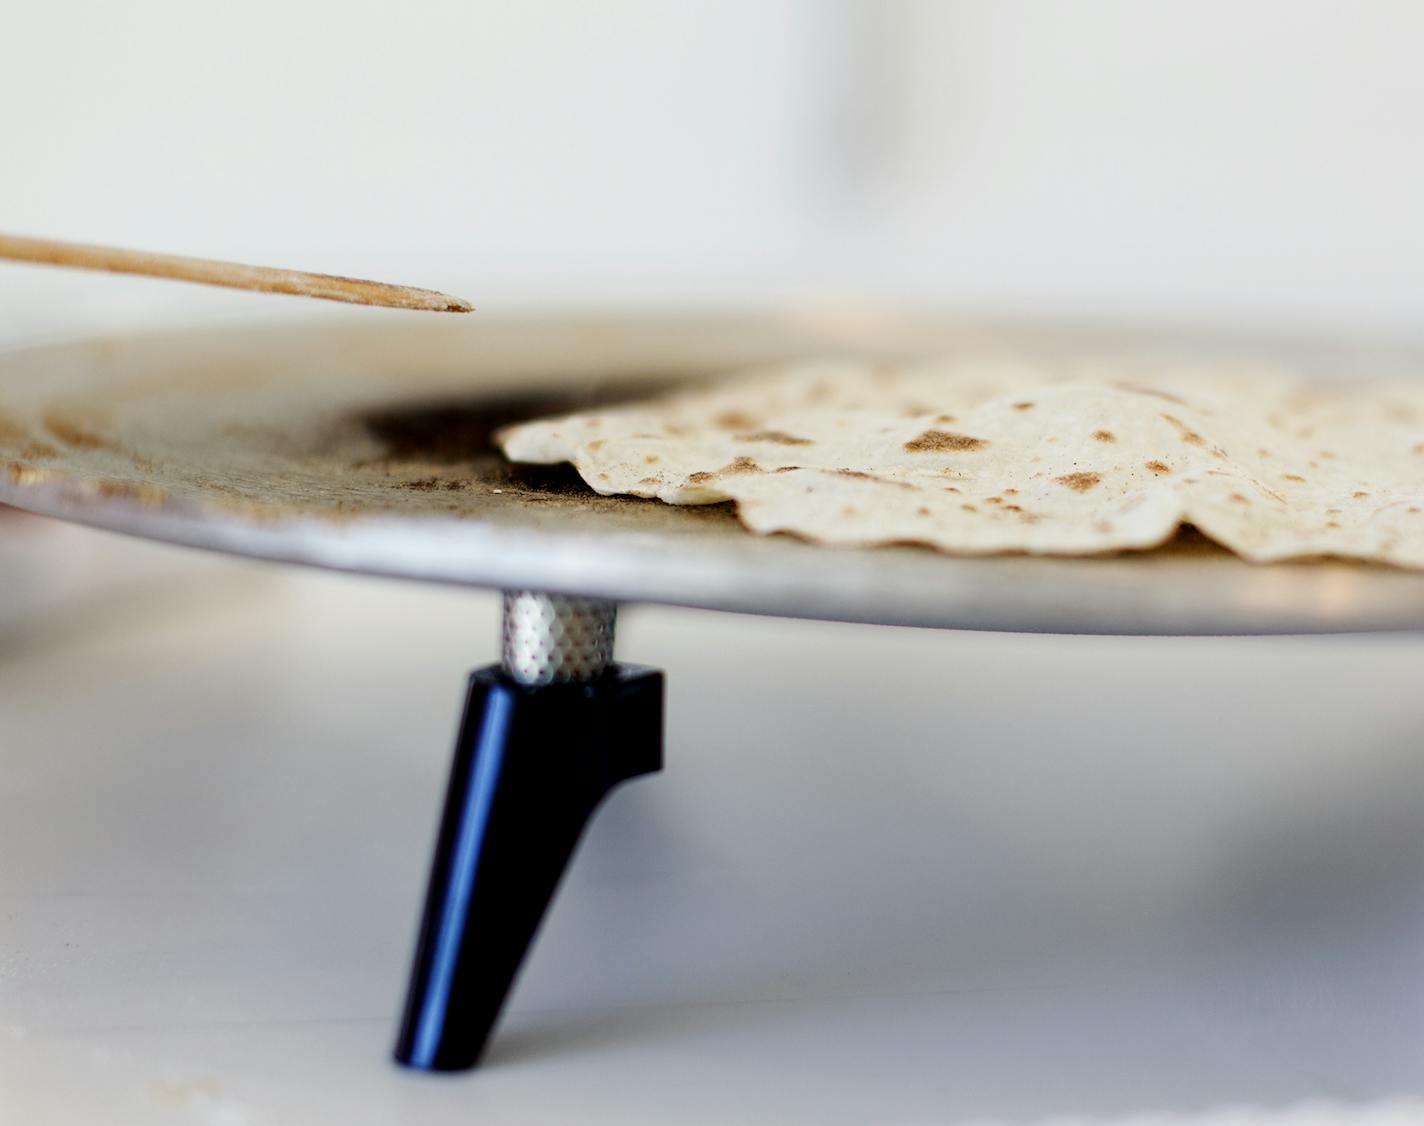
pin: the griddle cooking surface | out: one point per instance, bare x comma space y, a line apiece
364, 445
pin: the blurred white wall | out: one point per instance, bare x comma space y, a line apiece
1197, 159
1231, 159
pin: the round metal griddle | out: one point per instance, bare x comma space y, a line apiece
364, 445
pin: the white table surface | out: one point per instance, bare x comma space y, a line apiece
888, 876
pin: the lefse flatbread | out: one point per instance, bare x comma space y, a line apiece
980, 456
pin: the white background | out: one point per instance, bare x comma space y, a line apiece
1212, 160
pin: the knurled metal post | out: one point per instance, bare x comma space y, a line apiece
556, 638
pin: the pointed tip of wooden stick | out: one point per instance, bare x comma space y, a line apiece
234, 275
393, 296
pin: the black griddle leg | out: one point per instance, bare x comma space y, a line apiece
531, 764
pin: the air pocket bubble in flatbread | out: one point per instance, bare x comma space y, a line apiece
977, 456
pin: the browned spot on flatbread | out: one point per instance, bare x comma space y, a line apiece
38, 449
993, 500
1023, 406
950, 489
650, 481
598, 444
1332, 523
1359, 494
1011, 492
947, 419
968, 508
1104, 436
786, 469
73, 433
1296, 477
934, 441
734, 468
1188, 435
651, 459
1012, 508
1159, 467
1080, 482
861, 475
734, 420
777, 437
1240, 499
922, 511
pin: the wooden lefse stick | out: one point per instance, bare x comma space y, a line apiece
233, 275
